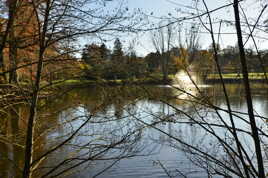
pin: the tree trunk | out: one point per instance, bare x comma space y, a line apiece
165, 68
32, 117
8, 37
12, 57
243, 61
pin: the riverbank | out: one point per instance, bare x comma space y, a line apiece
235, 77
22, 91
155, 79
103, 82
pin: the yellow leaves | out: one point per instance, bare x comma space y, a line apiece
206, 54
182, 60
84, 66
178, 61
184, 53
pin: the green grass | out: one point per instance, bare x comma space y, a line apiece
236, 76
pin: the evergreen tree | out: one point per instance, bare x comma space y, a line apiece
117, 52
92, 54
104, 52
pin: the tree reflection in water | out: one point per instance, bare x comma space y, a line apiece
86, 131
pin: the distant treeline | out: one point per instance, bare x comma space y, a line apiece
101, 62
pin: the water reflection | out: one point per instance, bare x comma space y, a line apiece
11, 152
140, 131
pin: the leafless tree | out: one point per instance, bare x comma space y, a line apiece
59, 23
162, 42
238, 154
55, 24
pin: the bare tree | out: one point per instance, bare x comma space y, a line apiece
58, 25
239, 153
162, 42
55, 23
254, 128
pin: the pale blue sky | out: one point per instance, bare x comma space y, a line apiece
164, 7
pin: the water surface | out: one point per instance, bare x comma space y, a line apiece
130, 131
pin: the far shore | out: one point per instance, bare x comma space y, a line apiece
236, 77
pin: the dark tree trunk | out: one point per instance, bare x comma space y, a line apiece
243, 61
32, 117
8, 36
13, 77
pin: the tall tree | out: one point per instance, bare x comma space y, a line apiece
92, 54
104, 52
57, 22
8, 37
254, 128
162, 39
117, 51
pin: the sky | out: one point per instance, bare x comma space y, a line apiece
155, 11
169, 8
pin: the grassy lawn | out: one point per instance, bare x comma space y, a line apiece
237, 76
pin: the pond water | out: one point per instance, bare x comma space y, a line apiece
130, 131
